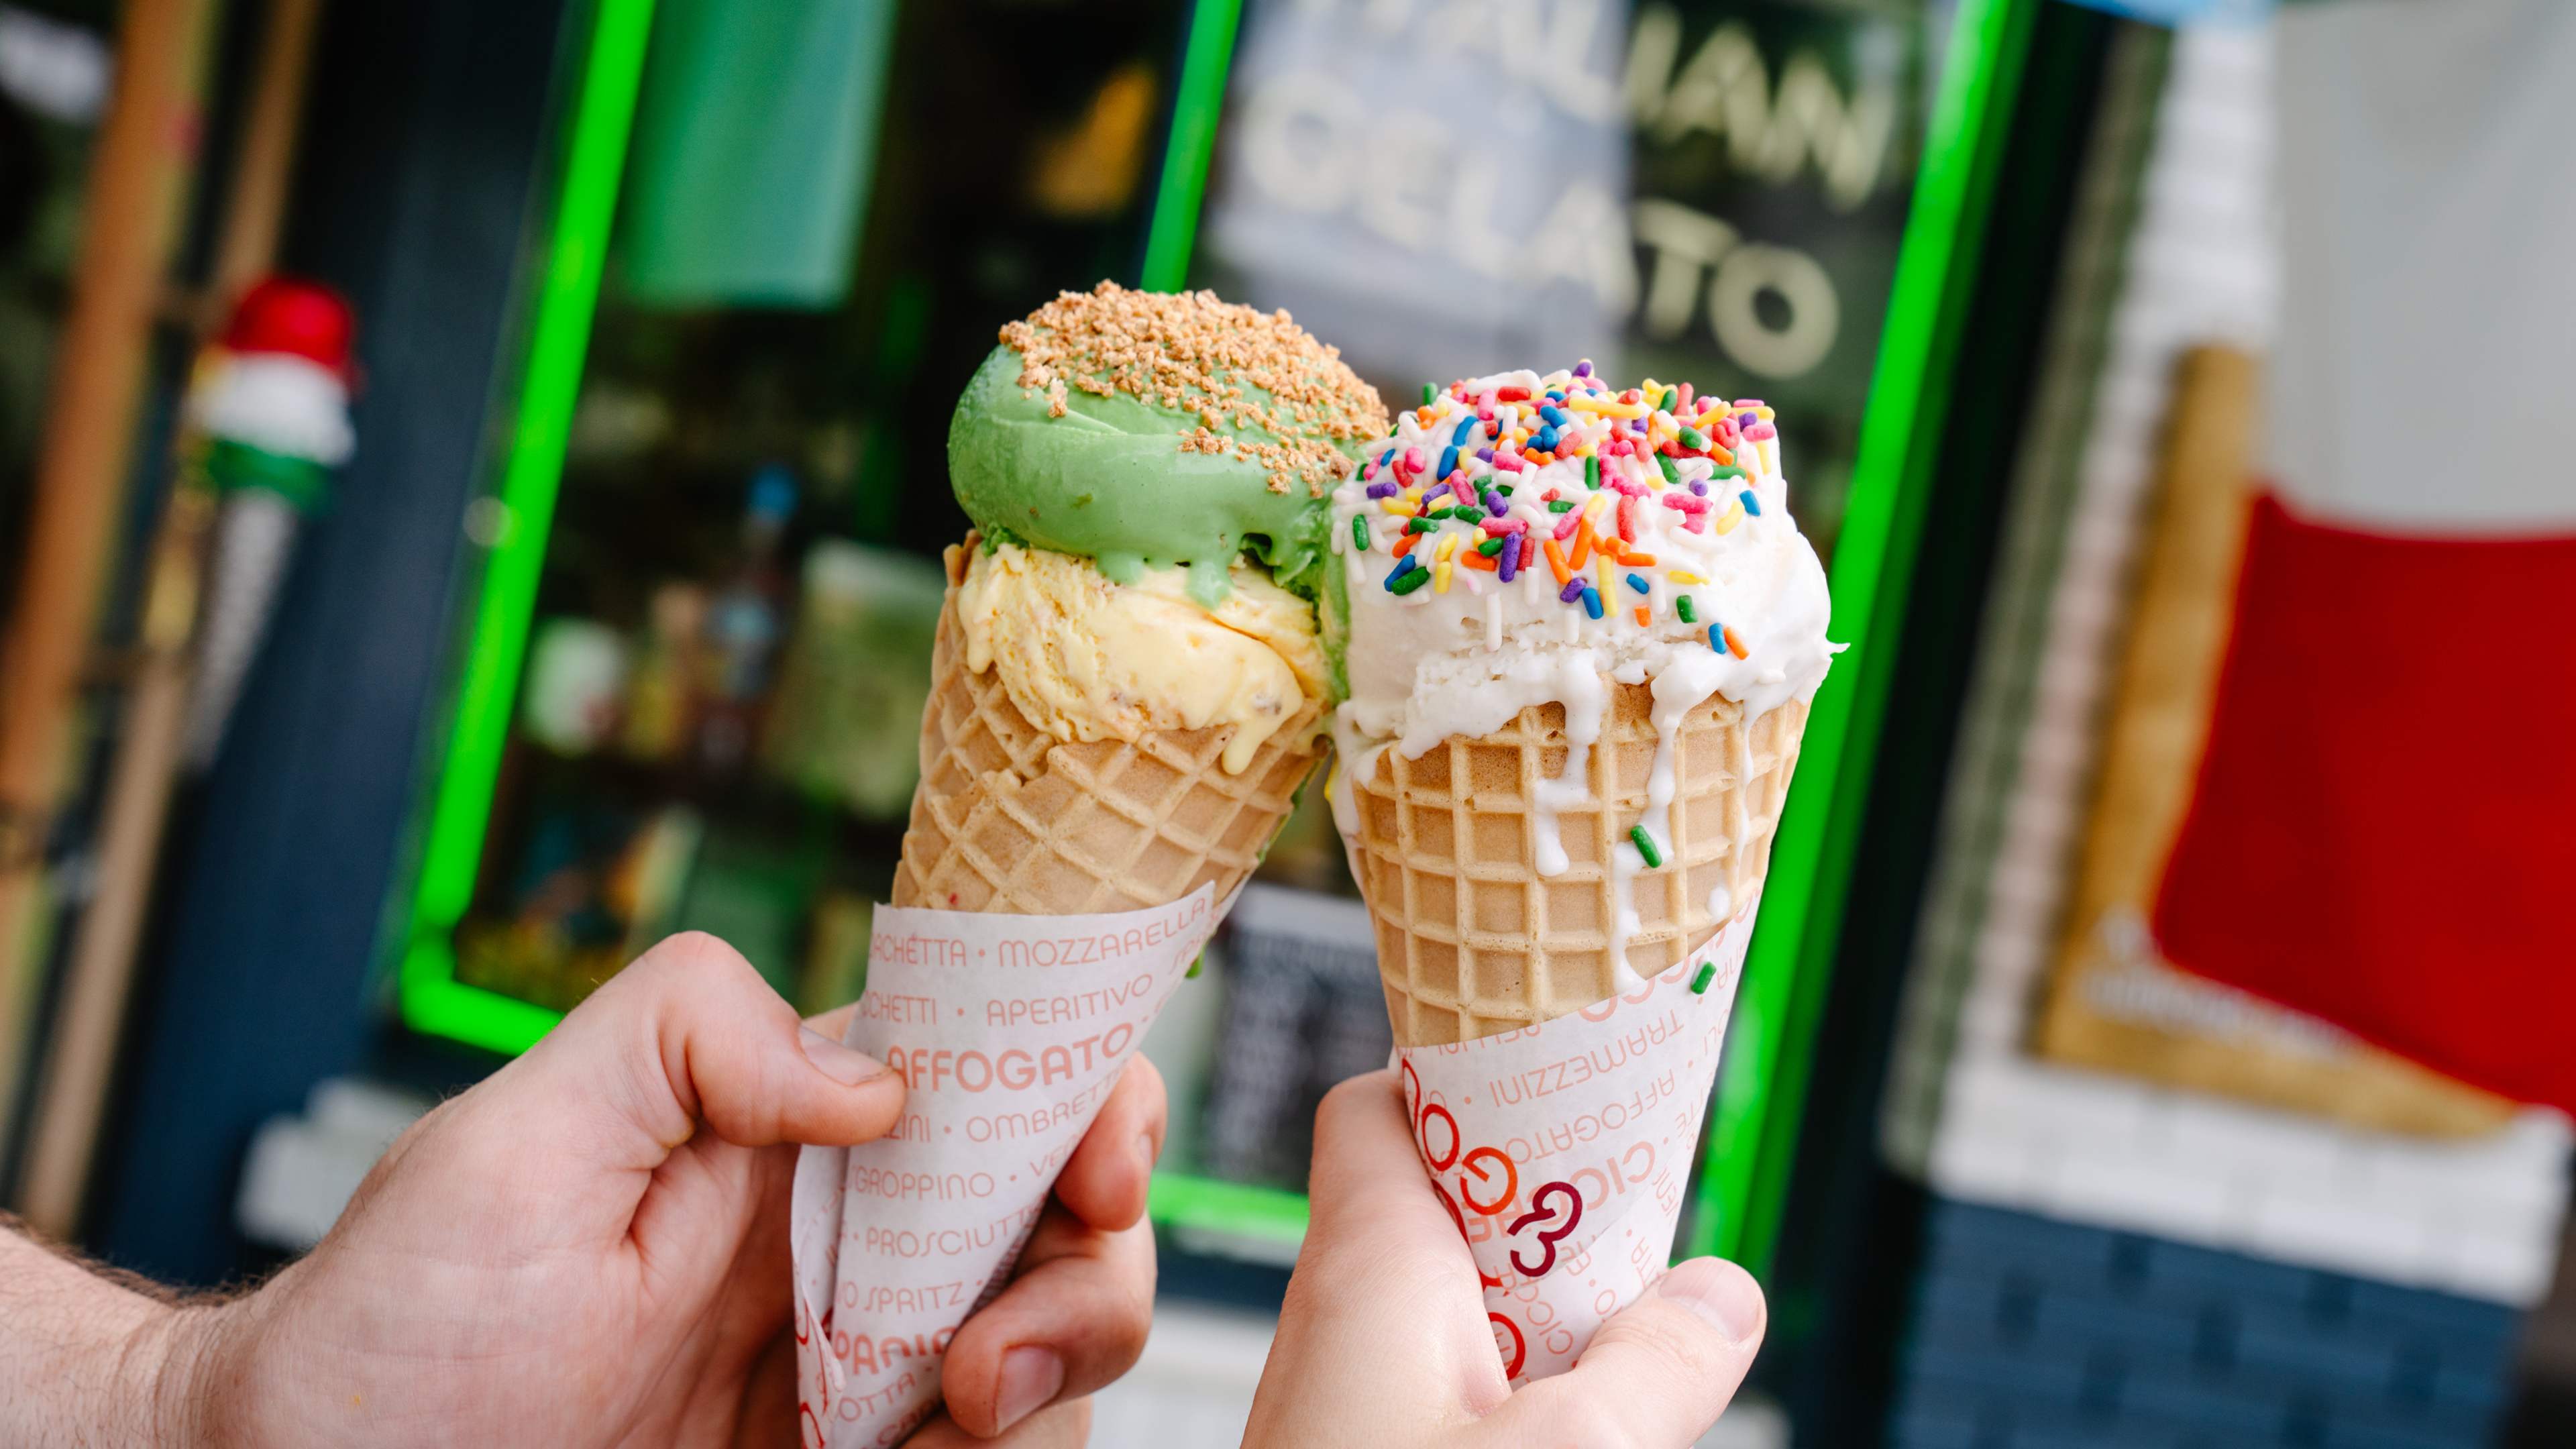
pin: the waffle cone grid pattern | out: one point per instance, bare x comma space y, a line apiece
1472, 940
1009, 818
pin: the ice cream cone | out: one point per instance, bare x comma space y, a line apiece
267, 415
254, 536
1127, 687
1010, 818
1580, 630
1473, 939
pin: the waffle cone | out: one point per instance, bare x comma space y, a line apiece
1008, 818
1472, 940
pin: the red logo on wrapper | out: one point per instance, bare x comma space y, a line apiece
1556, 1149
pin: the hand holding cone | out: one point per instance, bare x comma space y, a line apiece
1581, 645
1118, 725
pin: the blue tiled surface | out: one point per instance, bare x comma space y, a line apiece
2029, 1333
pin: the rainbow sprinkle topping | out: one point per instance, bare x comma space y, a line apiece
1562, 484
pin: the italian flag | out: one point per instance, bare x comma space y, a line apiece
2383, 832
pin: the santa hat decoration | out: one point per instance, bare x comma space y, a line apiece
295, 319
269, 413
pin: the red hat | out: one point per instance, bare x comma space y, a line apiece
302, 319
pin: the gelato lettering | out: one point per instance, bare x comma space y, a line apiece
1773, 132
1312, 140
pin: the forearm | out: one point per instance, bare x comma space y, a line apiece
85, 1360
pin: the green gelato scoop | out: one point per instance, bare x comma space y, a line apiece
1141, 428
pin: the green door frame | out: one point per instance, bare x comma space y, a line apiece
603, 116
1761, 1099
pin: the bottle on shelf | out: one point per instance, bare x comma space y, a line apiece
745, 622
662, 688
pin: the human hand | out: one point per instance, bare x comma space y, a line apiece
1384, 1339
591, 1248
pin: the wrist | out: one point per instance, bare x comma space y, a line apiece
165, 1372
85, 1359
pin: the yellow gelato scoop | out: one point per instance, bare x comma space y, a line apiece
1086, 658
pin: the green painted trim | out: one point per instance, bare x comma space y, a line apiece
1183, 1201
437, 1004
567, 299
1978, 796
1754, 1127
1196, 104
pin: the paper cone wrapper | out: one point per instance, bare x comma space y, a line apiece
1559, 999
1050, 897
1011, 1031
255, 533
1563, 1150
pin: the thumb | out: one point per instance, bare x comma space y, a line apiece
1368, 1195
690, 1033
1384, 1306
1662, 1369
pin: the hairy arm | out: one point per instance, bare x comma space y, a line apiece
89, 1356
588, 1249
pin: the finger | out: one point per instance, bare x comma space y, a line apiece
688, 1033
1372, 1203
1661, 1370
1106, 1180
1072, 1321
1066, 1426
1385, 1303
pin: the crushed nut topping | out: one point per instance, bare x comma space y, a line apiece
1213, 363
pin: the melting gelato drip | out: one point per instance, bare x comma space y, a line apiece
1086, 657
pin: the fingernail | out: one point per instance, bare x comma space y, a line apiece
1720, 1292
1031, 1378
1145, 1149
840, 1063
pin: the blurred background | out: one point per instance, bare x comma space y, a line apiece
471, 477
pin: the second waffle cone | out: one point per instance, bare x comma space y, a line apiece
1008, 818
1472, 940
